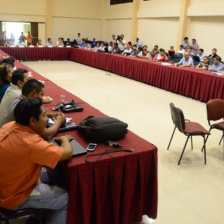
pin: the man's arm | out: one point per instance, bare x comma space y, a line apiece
52, 131
67, 147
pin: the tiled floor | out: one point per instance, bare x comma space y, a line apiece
192, 193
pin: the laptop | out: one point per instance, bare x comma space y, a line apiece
69, 125
78, 150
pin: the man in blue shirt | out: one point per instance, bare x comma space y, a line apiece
83, 44
186, 61
217, 66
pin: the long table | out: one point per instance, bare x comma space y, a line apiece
37, 53
118, 189
197, 84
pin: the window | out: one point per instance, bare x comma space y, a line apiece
114, 2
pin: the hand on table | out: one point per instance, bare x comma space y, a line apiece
47, 99
63, 138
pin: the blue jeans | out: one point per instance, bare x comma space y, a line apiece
49, 197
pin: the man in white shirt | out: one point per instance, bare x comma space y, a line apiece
181, 52
19, 78
201, 55
79, 39
127, 51
186, 61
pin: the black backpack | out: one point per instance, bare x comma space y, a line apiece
102, 129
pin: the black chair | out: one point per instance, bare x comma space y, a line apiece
188, 128
6, 215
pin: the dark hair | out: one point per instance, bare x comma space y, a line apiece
156, 46
30, 85
194, 40
48, 39
181, 45
214, 49
4, 73
202, 50
18, 75
218, 58
26, 109
161, 50
134, 45
84, 40
185, 38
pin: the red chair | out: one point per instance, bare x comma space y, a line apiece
215, 112
188, 128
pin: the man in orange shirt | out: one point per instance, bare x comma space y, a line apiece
29, 38
23, 153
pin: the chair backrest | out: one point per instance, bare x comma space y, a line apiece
215, 109
177, 117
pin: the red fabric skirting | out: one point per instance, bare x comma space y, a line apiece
198, 84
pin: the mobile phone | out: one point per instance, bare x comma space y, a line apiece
91, 147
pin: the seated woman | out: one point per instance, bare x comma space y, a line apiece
145, 54
97, 47
39, 43
5, 79
205, 64
127, 51
102, 47
161, 56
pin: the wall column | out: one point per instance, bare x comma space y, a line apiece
48, 28
182, 22
134, 21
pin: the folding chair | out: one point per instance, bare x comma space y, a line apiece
188, 128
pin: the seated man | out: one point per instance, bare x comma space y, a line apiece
127, 51
181, 52
161, 56
186, 61
19, 78
213, 54
31, 90
23, 153
201, 55
145, 54
217, 66
171, 52
83, 44
49, 43
135, 50
155, 51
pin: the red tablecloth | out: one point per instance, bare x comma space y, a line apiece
198, 84
36, 53
118, 189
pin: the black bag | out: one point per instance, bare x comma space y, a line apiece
102, 129
10, 60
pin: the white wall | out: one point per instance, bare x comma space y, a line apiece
69, 27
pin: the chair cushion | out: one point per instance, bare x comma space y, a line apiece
219, 126
193, 128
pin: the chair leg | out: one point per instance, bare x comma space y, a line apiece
205, 141
183, 150
204, 147
191, 143
221, 139
171, 137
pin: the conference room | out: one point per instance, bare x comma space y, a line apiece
111, 111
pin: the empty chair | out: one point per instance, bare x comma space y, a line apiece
188, 128
215, 112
